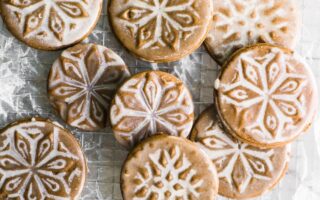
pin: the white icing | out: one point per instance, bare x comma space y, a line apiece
159, 23
187, 186
31, 170
53, 23
87, 90
217, 84
270, 84
166, 104
229, 22
227, 154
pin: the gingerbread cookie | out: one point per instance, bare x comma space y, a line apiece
238, 23
244, 171
168, 167
50, 24
40, 160
82, 82
267, 95
161, 31
148, 103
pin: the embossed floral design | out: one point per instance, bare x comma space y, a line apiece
157, 23
149, 103
270, 86
167, 175
241, 23
36, 165
43, 17
235, 161
82, 83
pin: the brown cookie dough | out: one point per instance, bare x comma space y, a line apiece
82, 82
238, 23
266, 95
161, 31
244, 171
40, 160
148, 103
168, 167
50, 24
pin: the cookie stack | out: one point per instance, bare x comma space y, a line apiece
264, 98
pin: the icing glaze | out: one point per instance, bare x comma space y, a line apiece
221, 147
173, 177
168, 167
38, 161
240, 23
268, 94
246, 170
161, 30
51, 23
83, 81
148, 103
160, 23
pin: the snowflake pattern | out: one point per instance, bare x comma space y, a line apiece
269, 90
157, 23
149, 103
36, 164
52, 20
236, 162
82, 83
241, 23
168, 175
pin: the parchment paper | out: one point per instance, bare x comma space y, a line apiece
23, 93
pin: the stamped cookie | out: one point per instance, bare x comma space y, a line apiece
267, 95
40, 160
82, 82
168, 167
244, 171
161, 31
148, 103
50, 24
238, 23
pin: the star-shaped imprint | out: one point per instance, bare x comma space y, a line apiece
38, 160
83, 81
151, 102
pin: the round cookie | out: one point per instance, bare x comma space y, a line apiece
168, 167
82, 82
238, 23
148, 103
244, 171
40, 160
161, 31
266, 95
50, 24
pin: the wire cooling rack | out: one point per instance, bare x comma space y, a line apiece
23, 93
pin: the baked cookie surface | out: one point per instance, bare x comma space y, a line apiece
238, 23
50, 24
82, 83
266, 95
161, 31
148, 103
168, 167
244, 171
40, 160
